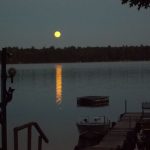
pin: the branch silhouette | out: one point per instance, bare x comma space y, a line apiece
139, 3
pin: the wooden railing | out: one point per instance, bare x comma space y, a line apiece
29, 126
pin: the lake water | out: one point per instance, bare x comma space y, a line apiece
47, 93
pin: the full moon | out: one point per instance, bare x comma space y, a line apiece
57, 34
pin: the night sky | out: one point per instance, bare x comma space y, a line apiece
26, 23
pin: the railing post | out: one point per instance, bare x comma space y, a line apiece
29, 137
15, 139
40, 143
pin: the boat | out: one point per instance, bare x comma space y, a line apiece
93, 101
98, 125
91, 131
88, 139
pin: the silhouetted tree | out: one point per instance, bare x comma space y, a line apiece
78, 54
138, 3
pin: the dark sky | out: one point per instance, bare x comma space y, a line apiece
26, 23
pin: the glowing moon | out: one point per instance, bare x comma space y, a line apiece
57, 34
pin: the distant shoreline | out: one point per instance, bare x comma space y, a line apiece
77, 55
78, 62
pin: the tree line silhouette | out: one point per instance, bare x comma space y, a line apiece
78, 54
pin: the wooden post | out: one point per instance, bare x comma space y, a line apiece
29, 137
40, 143
15, 139
125, 105
142, 110
130, 119
3, 100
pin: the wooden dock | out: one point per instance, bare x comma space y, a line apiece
117, 136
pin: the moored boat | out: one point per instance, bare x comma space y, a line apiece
93, 101
97, 125
91, 132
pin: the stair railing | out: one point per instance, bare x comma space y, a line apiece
29, 126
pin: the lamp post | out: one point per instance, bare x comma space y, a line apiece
6, 96
3, 100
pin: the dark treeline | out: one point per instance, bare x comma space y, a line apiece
78, 54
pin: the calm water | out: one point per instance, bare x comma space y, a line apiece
46, 93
